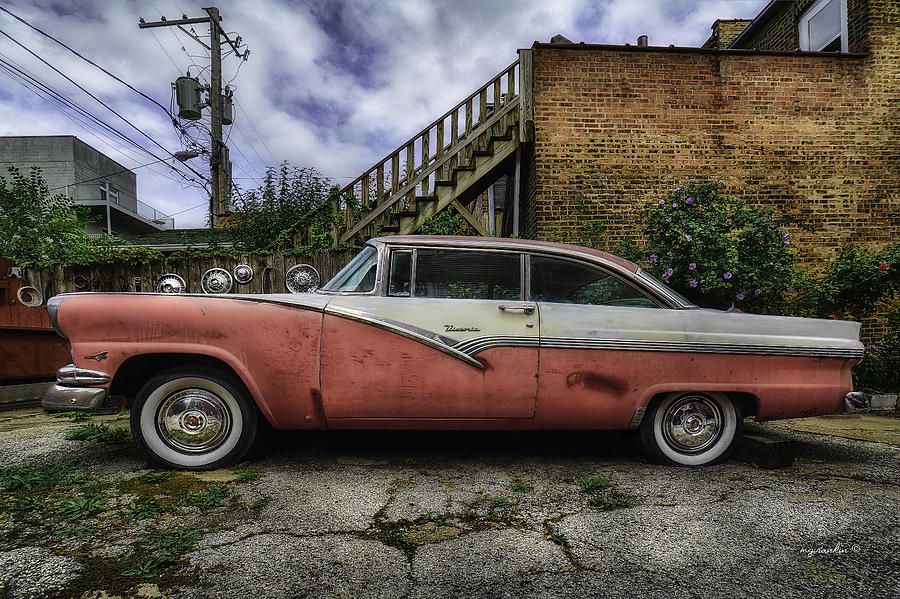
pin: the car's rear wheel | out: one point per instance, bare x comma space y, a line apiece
692, 429
198, 419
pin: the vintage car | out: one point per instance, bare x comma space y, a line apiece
450, 333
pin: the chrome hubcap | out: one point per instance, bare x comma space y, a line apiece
692, 424
193, 420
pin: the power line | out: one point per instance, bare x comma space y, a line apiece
32, 82
254, 129
88, 60
104, 104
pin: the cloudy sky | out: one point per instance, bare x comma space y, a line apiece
331, 84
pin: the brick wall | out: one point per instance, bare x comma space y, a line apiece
779, 31
815, 136
725, 31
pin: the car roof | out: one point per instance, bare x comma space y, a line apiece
506, 243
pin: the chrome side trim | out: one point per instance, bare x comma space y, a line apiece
72, 376
425, 337
698, 347
477, 344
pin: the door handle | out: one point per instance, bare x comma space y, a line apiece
523, 309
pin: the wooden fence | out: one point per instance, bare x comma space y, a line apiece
268, 273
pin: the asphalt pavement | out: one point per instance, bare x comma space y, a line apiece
449, 514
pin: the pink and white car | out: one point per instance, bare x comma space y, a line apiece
450, 333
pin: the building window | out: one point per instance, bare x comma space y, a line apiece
823, 28
109, 194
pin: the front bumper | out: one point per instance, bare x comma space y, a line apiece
857, 401
73, 391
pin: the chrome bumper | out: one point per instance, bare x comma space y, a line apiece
72, 391
857, 401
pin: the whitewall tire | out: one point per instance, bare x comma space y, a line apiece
692, 429
194, 419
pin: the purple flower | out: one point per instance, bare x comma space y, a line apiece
740, 296
786, 242
757, 292
668, 219
693, 283
688, 237
790, 290
689, 201
692, 266
653, 257
669, 254
871, 346
727, 275
669, 272
677, 189
661, 202
759, 234
674, 204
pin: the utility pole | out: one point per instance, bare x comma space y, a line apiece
218, 152
217, 207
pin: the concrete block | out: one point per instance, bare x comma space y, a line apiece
15, 396
887, 401
766, 452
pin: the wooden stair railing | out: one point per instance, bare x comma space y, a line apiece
451, 148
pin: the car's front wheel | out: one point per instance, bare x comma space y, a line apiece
692, 429
195, 419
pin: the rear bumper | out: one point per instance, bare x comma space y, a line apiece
857, 401
73, 391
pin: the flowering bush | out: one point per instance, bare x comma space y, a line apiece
718, 251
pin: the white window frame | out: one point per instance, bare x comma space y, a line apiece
812, 11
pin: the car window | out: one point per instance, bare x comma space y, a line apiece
569, 282
358, 275
401, 261
463, 274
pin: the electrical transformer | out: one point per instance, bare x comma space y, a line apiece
187, 94
227, 107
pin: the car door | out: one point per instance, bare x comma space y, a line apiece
450, 337
588, 376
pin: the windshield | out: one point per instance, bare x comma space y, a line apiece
359, 274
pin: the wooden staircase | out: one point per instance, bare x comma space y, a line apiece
447, 164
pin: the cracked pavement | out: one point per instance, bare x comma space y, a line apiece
461, 514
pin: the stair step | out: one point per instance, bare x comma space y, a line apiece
445, 183
505, 137
484, 152
392, 228
406, 213
431, 198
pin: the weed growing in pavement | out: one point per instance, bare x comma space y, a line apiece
78, 508
249, 475
602, 495
99, 433
144, 510
38, 478
593, 484
209, 498
157, 549
520, 485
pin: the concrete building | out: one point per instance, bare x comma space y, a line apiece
90, 178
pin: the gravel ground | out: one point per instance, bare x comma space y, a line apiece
364, 514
